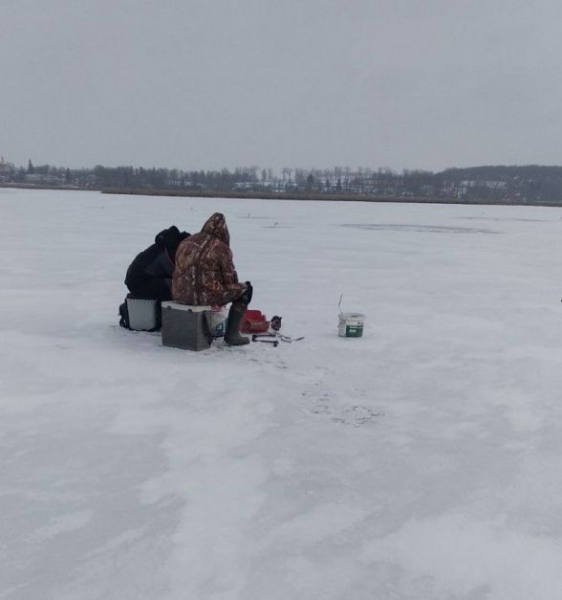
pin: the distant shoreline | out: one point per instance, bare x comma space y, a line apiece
315, 197
34, 186
264, 195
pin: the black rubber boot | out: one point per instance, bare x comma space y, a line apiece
232, 336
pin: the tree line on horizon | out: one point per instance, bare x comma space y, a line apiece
529, 183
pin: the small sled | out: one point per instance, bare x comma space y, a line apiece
254, 321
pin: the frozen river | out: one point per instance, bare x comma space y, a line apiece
422, 461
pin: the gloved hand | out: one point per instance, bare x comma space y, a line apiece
249, 292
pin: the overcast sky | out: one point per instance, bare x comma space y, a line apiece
207, 84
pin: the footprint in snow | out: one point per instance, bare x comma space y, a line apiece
357, 416
354, 415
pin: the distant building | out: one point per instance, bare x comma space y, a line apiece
7, 170
6, 167
39, 178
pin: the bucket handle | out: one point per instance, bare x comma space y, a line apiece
339, 305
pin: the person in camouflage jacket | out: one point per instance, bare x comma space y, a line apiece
205, 275
204, 272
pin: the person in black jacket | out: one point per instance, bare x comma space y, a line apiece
150, 275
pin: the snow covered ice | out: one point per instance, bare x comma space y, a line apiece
422, 461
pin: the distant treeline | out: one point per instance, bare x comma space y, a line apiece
518, 184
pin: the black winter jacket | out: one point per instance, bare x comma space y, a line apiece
157, 261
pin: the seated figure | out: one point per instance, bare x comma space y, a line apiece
150, 275
205, 275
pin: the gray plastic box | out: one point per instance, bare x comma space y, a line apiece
185, 326
144, 315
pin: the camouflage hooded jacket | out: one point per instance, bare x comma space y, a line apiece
204, 272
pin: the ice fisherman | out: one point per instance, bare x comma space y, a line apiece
150, 275
205, 275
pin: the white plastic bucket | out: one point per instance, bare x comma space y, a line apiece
218, 318
351, 324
